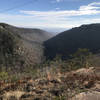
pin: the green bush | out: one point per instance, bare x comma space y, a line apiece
81, 58
60, 98
3, 76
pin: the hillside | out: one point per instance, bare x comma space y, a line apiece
9, 45
29, 34
29, 43
68, 42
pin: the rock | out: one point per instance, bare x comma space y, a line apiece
85, 71
12, 94
87, 96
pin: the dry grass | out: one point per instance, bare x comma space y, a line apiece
53, 84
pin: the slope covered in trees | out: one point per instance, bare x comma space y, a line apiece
9, 45
21, 46
68, 42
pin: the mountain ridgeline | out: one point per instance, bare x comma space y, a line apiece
68, 42
28, 34
21, 46
27, 47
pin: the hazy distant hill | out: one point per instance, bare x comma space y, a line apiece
29, 42
66, 43
29, 34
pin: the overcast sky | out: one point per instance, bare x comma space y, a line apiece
50, 14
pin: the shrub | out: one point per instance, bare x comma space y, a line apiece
3, 76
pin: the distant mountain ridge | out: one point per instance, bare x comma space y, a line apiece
68, 42
30, 34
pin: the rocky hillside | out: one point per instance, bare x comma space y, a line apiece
83, 84
68, 42
29, 42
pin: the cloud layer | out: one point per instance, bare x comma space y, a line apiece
57, 18
93, 8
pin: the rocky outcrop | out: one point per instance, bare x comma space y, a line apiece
93, 95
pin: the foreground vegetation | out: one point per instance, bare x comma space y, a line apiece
52, 80
81, 59
51, 84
